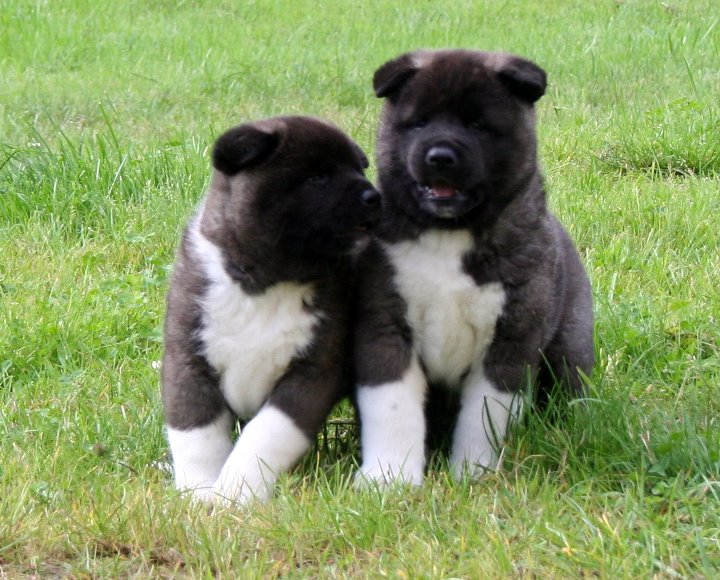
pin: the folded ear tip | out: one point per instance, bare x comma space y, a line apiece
392, 75
524, 79
241, 147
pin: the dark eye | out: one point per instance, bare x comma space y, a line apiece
415, 124
479, 125
482, 126
318, 178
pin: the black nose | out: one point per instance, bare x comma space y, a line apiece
441, 157
370, 197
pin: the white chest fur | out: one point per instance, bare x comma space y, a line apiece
452, 318
250, 340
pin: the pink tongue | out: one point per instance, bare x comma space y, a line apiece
442, 191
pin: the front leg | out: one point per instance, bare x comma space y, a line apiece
197, 420
287, 424
392, 421
482, 424
492, 393
270, 444
199, 454
391, 390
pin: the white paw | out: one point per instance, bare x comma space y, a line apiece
202, 495
369, 476
237, 494
240, 492
481, 427
474, 469
393, 430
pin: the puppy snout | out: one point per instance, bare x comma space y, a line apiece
370, 197
441, 157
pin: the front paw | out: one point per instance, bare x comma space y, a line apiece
201, 496
240, 492
477, 467
231, 495
383, 477
473, 471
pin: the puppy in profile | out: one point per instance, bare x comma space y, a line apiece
257, 311
473, 286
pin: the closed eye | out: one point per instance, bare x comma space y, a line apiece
482, 126
479, 125
414, 124
318, 178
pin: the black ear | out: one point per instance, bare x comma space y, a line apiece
391, 76
243, 147
524, 79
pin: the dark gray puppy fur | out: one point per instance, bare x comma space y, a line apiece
465, 120
288, 202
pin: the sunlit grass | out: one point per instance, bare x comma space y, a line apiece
107, 111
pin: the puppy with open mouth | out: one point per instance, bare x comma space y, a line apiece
473, 287
258, 311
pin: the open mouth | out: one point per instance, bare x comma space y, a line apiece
365, 227
438, 191
445, 200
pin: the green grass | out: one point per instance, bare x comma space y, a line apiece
107, 111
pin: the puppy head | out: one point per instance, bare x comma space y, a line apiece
457, 128
288, 185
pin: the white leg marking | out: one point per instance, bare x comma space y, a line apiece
393, 429
199, 454
269, 445
481, 426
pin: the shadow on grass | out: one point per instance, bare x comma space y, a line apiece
605, 438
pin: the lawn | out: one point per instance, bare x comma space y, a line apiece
107, 113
